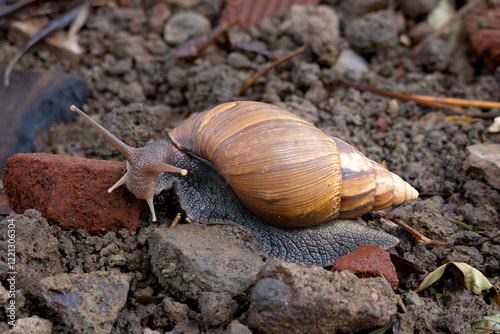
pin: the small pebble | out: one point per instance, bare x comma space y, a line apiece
183, 26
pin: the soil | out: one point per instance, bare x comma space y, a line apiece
128, 62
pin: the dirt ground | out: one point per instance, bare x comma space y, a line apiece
128, 61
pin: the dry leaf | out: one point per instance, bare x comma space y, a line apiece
473, 279
490, 321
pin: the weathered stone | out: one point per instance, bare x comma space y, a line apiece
371, 32
185, 25
361, 7
236, 327
86, 302
415, 8
191, 259
434, 54
484, 159
33, 324
217, 308
37, 250
175, 312
186, 326
352, 64
317, 28
369, 261
71, 191
289, 298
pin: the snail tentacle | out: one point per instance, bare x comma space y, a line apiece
144, 164
124, 149
121, 182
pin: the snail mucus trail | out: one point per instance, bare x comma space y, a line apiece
271, 171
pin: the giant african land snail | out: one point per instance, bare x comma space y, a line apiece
271, 171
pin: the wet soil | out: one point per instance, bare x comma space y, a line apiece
128, 62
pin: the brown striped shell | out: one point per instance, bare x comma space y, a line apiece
286, 170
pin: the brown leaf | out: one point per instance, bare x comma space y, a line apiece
404, 267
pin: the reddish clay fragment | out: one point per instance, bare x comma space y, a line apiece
369, 261
250, 13
71, 191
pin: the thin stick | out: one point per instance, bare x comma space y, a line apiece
487, 328
426, 101
250, 81
479, 243
421, 238
464, 10
194, 46
176, 220
461, 102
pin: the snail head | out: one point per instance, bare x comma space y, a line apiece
144, 164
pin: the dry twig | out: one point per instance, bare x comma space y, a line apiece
177, 219
435, 102
257, 75
421, 238
194, 46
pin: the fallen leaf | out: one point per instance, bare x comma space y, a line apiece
146, 299
473, 279
489, 321
405, 268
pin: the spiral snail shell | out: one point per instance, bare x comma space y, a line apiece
281, 167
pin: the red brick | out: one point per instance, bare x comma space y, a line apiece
369, 261
71, 191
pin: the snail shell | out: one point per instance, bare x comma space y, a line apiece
287, 171
284, 169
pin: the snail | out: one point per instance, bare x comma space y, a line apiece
265, 168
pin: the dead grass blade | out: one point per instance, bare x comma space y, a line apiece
56, 24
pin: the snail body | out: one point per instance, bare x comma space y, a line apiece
270, 170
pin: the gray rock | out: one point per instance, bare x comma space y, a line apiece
373, 31
434, 54
4, 296
420, 31
33, 324
124, 45
361, 7
484, 159
185, 327
236, 327
315, 27
305, 74
414, 8
352, 63
290, 298
175, 312
86, 302
191, 259
211, 85
183, 26
37, 250
121, 66
132, 92
217, 308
